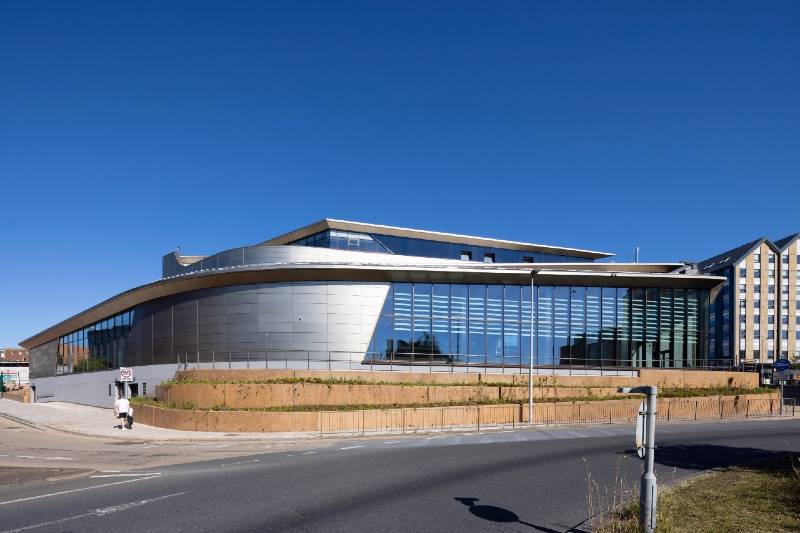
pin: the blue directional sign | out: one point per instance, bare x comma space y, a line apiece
781, 365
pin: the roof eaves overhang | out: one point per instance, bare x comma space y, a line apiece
347, 225
357, 273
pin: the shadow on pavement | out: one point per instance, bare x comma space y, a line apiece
710, 456
498, 514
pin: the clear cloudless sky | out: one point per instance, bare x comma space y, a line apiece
128, 128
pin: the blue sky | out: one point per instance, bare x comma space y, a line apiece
129, 128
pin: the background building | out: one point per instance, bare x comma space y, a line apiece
13, 355
753, 319
351, 296
14, 366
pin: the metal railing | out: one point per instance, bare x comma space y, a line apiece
342, 360
432, 419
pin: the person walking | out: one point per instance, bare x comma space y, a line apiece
121, 408
129, 419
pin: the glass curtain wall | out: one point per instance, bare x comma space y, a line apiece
101, 346
581, 326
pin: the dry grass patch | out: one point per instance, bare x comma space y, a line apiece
763, 497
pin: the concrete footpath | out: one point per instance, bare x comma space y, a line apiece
97, 422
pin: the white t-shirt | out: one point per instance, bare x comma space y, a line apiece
122, 405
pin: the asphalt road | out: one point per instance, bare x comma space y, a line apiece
26, 446
534, 480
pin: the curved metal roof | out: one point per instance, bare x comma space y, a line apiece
347, 225
310, 264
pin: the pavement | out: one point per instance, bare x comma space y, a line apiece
98, 422
542, 480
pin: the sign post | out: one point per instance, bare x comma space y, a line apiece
645, 447
781, 373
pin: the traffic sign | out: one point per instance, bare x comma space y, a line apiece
781, 364
641, 433
125, 374
782, 375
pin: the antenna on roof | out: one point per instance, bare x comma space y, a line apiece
178, 249
637, 254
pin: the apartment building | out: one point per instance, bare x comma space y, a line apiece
753, 319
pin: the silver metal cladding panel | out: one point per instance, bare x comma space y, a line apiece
240, 322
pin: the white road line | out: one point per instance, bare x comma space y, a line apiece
391, 442
351, 447
308, 453
241, 462
102, 511
76, 490
129, 474
45, 458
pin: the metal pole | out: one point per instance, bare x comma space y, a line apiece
647, 495
530, 360
781, 411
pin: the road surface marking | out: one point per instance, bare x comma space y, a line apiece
351, 447
77, 490
102, 511
41, 457
391, 442
241, 462
129, 474
308, 453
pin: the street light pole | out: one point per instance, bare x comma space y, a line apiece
648, 491
530, 357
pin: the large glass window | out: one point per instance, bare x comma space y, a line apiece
526, 308
593, 325
560, 324
403, 330
477, 323
511, 325
623, 327
545, 325
577, 326
693, 325
459, 340
423, 338
100, 346
651, 328
494, 324
637, 327
441, 322
679, 314
665, 335
608, 332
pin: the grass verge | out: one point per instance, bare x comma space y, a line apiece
673, 392
189, 405
762, 497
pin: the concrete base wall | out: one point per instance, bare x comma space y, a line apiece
447, 418
22, 395
91, 388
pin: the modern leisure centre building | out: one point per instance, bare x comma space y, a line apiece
338, 295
